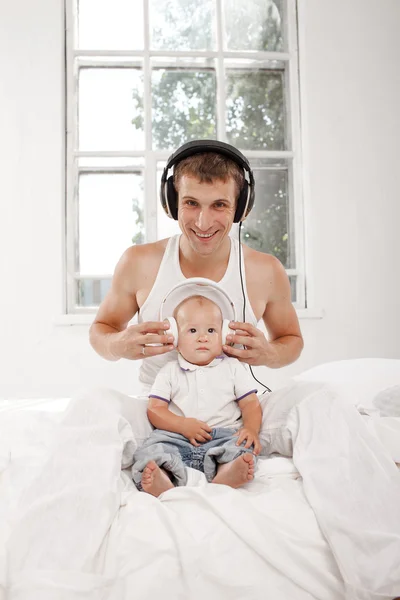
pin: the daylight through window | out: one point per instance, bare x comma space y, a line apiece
146, 76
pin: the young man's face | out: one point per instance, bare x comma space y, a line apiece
206, 212
199, 332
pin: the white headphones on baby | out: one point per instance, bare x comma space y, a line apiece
198, 286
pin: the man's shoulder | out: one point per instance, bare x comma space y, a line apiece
146, 251
259, 259
262, 268
141, 259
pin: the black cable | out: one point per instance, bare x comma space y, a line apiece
244, 302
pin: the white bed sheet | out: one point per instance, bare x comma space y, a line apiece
200, 541
222, 551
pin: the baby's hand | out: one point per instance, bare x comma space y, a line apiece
196, 431
251, 437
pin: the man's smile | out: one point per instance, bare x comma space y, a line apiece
204, 236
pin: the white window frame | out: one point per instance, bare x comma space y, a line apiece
152, 157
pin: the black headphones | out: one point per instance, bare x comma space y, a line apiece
169, 196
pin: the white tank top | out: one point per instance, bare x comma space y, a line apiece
169, 274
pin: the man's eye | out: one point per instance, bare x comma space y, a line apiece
211, 330
220, 204
192, 330
191, 203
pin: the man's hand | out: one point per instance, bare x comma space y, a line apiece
130, 342
257, 349
196, 431
251, 437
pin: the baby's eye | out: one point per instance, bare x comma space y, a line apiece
192, 330
211, 330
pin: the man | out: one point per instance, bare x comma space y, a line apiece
209, 180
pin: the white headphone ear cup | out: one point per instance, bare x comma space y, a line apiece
173, 330
226, 330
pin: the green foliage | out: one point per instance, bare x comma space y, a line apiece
138, 238
268, 232
182, 25
254, 25
255, 110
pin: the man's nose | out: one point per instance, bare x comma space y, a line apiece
204, 219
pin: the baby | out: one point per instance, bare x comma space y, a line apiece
204, 408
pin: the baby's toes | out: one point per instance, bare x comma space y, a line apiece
248, 458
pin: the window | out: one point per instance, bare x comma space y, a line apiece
144, 77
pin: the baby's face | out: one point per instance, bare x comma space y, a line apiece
199, 332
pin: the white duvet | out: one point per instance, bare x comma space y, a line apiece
73, 526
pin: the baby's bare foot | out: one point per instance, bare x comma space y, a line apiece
154, 480
237, 472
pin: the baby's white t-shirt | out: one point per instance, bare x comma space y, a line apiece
209, 393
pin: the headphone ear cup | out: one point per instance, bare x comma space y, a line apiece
226, 330
171, 197
173, 330
241, 204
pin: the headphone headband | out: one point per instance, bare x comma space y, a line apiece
168, 195
200, 146
198, 286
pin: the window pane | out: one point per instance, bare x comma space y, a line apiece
268, 226
182, 24
110, 109
110, 220
183, 106
90, 292
110, 24
255, 109
254, 25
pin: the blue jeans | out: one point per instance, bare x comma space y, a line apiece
173, 452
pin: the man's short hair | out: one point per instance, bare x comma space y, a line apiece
207, 167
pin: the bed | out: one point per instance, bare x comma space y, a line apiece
73, 526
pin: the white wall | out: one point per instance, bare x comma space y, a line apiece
350, 85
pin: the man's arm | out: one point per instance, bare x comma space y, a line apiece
116, 310
280, 318
109, 334
285, 341
252, 418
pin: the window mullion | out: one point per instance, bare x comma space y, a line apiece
112, 170
150, 192
71, 241
251, 54
147, 78
120, 63
109, 153
293, 117
221, 94
150, 197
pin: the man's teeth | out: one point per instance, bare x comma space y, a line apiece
204, 235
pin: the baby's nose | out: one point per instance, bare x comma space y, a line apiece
203, 337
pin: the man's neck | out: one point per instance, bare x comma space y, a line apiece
211, 266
